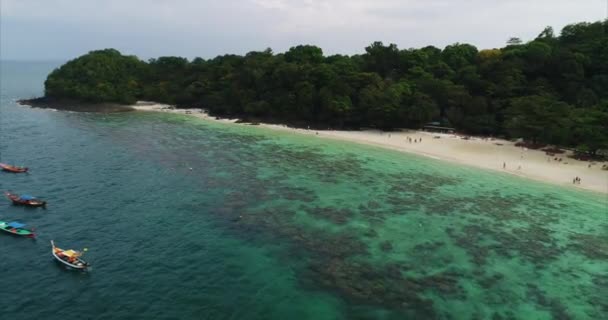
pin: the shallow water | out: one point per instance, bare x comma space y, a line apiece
274, 225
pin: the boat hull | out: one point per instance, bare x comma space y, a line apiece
18, 232
83, 267
12, 169
35, 203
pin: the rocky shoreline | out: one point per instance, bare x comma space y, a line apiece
73, 105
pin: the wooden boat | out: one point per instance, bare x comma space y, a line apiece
25, 200
17, 229
13, 169
70, 258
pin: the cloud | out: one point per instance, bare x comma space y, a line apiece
66, 28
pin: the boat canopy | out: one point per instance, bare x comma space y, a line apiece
71, 253
15, 224
27, 197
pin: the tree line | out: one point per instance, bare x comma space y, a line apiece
551, 90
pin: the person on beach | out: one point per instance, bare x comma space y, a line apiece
504, 165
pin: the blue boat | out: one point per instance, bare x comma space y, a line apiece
25, 200
17, 229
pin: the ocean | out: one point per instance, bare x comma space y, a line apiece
190, 219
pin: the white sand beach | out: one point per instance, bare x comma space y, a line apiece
490, 154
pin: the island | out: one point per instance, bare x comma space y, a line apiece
551, 90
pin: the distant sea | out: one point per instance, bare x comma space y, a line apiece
187, 219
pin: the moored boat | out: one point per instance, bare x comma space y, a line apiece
70, 258
13, 169
25, 200
17, 228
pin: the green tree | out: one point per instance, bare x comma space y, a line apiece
539, 118
589, 130
549, 90
99, 76
304, 54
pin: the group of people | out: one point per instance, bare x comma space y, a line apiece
576, 180
416, 140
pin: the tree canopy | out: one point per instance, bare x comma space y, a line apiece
553, 89
99, 76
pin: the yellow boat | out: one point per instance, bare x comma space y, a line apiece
70, 258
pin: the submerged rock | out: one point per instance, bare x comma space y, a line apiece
386, 246
335, 215
591, 246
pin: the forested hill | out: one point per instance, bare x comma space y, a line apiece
553, 89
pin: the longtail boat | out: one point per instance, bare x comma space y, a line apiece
70, 258
13, 169
25, 200
17, 228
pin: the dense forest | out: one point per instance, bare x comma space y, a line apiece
553, 89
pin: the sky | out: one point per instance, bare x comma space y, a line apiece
64, 29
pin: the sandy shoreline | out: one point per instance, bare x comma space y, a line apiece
476, 152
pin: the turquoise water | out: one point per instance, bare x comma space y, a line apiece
272, 225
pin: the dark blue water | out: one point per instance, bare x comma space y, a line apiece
186, 219
156, 250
